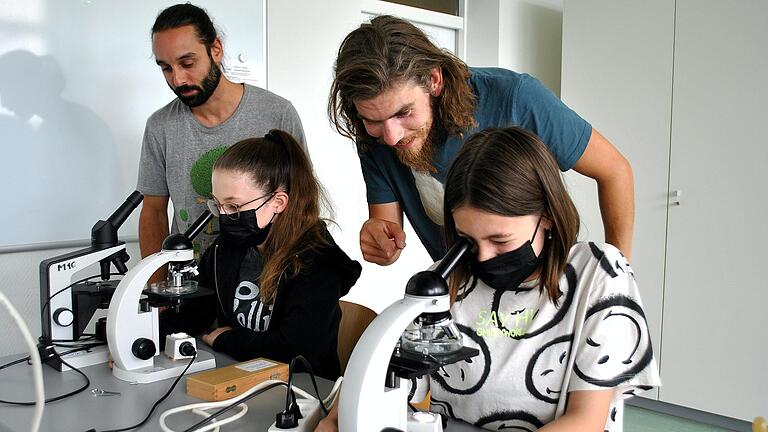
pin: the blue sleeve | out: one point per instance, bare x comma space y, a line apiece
543, 113
377, 186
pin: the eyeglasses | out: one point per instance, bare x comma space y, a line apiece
232, 210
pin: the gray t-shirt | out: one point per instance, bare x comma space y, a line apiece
178, 152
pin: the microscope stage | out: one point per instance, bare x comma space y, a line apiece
410, 365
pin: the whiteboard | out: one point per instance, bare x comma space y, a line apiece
77, 83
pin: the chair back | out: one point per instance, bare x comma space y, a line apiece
759, 425
354, 320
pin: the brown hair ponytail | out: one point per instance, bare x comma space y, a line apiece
277, 162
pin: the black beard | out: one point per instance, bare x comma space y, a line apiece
204, 91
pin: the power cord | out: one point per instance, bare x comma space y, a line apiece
28, 358
88, 336
159, 401
289, 418
50, 354
229, 404
15, 362
71, 343
36, 364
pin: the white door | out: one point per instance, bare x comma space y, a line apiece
715, 326
617, 74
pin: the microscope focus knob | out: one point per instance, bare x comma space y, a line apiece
143, 348
63, 317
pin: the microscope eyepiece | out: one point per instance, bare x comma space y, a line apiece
426, 283
104, 233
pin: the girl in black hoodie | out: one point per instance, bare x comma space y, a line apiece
277, 272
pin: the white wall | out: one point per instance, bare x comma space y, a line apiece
483, 33
521, 35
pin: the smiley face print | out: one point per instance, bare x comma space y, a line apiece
510, 421
620, 347
547, 368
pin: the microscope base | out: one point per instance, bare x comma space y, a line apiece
80, 359
164, 368
424, 422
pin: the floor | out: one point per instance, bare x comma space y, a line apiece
642, 420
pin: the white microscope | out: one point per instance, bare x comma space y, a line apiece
132, 320
66, 307
374, 393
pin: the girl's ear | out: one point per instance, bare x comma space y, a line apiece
279, 202
547, 223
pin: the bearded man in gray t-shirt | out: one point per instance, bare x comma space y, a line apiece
183, 139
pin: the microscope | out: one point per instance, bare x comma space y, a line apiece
67, 307
375, 391
132, 319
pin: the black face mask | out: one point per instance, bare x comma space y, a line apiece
508, 270
244, 231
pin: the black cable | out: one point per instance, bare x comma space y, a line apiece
210, 418
314, 383
76, 349
159, 401
82, 348
21, 360
64, 396
84, 343
88, 336
229, 407
412, 392
289, 395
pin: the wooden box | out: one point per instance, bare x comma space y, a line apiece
230, 381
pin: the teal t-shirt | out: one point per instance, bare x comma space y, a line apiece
504, 98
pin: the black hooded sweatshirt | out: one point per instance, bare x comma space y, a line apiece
305, 314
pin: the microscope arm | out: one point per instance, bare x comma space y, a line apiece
126, 322
365, 403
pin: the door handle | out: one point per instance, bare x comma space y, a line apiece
674, 197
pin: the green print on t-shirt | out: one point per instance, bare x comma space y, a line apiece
515, 323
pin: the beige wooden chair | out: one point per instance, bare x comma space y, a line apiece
759, 425
354, 320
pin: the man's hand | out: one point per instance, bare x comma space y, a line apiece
381, 241
211, 337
